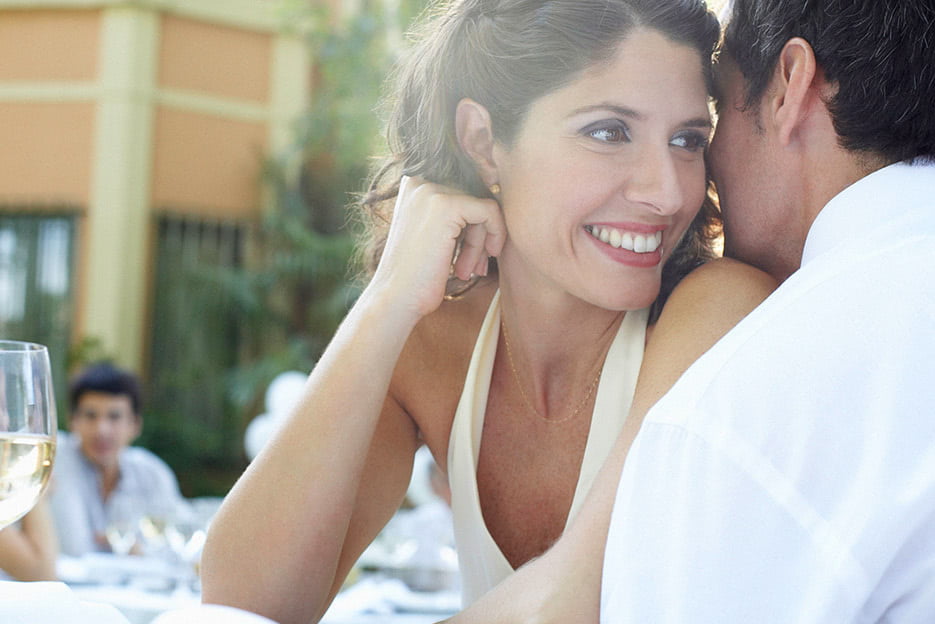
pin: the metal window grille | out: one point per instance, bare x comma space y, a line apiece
194, 343
36, 284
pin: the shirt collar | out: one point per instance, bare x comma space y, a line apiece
857, 210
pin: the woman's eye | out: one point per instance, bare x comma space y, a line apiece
614, 132
691, 141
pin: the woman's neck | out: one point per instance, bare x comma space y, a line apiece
556, 343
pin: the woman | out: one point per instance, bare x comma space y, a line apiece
29, 547
566, 138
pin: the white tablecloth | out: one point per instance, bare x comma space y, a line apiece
137, 590
51, 603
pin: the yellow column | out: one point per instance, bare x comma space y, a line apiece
290, 89
118, 216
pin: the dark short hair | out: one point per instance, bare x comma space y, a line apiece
880, 54
108, 379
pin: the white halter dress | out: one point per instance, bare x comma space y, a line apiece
482, 563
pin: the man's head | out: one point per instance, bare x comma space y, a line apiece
105, 413
817, 94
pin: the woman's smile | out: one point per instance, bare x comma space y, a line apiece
625, 238
627, 246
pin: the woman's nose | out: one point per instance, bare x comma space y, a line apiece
655, 182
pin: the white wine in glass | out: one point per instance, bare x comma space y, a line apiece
27, 427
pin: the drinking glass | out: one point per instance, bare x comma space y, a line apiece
27, 427
123, 525
186, 534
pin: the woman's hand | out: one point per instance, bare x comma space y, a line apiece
428, 221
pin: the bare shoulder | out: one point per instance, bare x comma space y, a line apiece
720, 292
704, 306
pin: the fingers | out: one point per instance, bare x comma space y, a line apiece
484, 235
485, 214
440, 222
472, 258
482, 265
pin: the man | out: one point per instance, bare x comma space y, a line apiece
789, 475
99, 479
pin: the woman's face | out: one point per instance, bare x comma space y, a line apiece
606, 175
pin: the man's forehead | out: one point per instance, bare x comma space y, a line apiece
93, 399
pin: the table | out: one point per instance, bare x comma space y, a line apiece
142, 588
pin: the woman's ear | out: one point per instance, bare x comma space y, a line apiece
475, 136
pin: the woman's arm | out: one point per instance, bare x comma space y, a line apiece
28, 551
564, 584
318, 493
277, 545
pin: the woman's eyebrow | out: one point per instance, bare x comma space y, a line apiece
623, 111
613, 108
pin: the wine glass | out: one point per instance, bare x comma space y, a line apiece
186, 534
122, 528
27, 427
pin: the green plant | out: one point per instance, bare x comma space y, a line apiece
276, 307
299, 284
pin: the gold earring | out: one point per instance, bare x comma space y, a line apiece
495, 189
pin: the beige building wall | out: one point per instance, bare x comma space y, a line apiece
47, 63
124, 109
44, 160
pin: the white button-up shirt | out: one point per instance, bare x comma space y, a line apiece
789, 475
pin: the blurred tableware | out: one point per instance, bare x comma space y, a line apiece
98, 568
186, 533
123, 526
153, 532
417, 547
153, 523
27, 427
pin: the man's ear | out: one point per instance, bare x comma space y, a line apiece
475, 135
797, 87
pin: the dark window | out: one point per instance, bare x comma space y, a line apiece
194, 345
36, 285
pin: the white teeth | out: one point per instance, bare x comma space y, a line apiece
628, 241
640, 243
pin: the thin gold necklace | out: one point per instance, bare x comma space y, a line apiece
529, 405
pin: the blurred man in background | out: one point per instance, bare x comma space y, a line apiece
102, 484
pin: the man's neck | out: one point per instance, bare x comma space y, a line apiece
110, 476
822, 180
